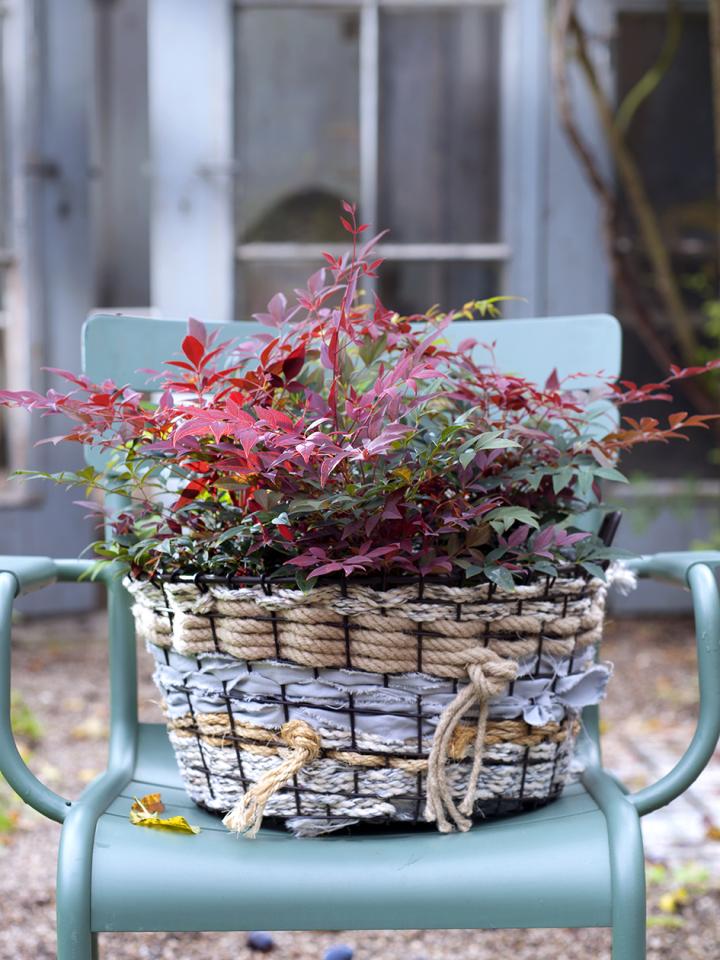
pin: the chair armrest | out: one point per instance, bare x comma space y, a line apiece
13, 580
20, 574
30, 573
694, 570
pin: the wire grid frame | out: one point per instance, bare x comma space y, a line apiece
307, 802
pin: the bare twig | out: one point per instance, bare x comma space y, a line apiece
649, 81
623, 272
605, 193
642, 208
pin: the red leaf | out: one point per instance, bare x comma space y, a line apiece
197, 329
326, 568
181, 364
552, 382
193, 349
274, 418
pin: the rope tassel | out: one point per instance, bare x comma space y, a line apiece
247, 814
489, 675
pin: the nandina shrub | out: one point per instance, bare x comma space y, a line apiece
349, 439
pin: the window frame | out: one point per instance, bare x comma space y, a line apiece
16, 90
194, 177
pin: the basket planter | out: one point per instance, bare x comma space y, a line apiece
422, 701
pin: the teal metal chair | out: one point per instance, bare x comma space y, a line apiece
577, 862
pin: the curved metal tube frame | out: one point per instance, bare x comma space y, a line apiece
123, 696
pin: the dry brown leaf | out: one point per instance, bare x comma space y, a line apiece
151, 803
713, 832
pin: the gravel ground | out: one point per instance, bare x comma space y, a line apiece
654, 672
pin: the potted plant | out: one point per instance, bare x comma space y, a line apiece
362, 558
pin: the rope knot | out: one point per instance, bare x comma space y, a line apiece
489, 674
300, 736
304, 744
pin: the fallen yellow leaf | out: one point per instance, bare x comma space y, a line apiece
141, 816
178, 824
713, 832
671, 902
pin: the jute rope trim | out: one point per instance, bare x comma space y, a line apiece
216, 730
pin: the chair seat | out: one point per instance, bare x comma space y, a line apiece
546, 868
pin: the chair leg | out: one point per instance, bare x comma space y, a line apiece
627, 865
629, 905
629, 943
74, 944
75, 941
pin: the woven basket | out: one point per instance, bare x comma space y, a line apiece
416, 702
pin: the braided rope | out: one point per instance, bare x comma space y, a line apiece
372, 630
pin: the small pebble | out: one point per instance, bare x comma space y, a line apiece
339, 952
259, 940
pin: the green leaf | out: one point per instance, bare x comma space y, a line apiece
501, 576
467, 457
585, 479
610, 473
230, 534
544, 566
593, 569
502, 518
494, 440
562, 479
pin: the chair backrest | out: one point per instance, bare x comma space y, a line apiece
124, 348
118, 347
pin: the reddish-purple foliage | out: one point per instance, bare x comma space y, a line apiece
350, 439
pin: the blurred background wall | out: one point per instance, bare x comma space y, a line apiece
190, 158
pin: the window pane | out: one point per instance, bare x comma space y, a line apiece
296, 122
258, 282
413, 286
439, 125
